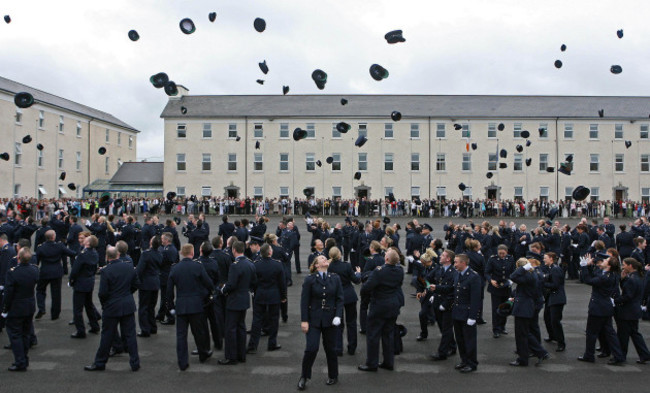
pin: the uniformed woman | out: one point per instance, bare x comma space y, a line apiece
321, 309
628, 309
348, 277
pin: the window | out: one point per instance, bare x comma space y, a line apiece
619, 164
107, 164
567, 155
130, 142
181, 130
568, 131
19, 115
441, 191
568, 193
41, 119
335, 133
544, 133
311, 130
206, 191
61, 159
258, 163
543, 162
543, 193
519, 193
61, 124
232, 161
363, 161
18, 153
388, 161
645, 162
310, 162
492, 161
336, 163
284, 192
644, 131
40, 158
441, 162
518, 164
388, 191
207, 130
78, 165
441, 130
232, 131
108, 136
593, 131
388, 131
492, 130
594, 162
180, 162
336, 192
258, 131
16, 190
78, 130
206, 162
258, 192
284, 162
467, 162
180, 190
516, 130
119, 138
363, 129
466, 133
595, 193
415, 161
645, 194
415, 191
415, 131
618, 131
284, 130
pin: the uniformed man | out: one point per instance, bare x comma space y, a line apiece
554, 301
270, 291
72, 240
211, 267
7, 253
241, 281
421, 270
226, 229
18, 308
169, 258
82, 280
497, 274
348, 277
49, 256
223, 262
118, 281
193, 290
289, 240
148, 231
370, 264
148, 271
442, 282
318, 250
465, 312
384, 286
98, 228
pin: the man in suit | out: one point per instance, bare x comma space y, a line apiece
118, 281
442, 285
49, 256
465, 312
169, 258
193, 290
241, 281
18, 307
148, 271
82, 280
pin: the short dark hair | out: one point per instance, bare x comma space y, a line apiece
266, 250
239, 247
206, 248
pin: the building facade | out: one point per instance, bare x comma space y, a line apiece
422, 155
71, 135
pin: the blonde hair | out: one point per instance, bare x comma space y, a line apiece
313, 268
428, 255
335, 254
522, 262
270, 238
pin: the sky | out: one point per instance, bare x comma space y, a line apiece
80, 50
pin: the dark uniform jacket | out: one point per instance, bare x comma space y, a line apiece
226, 230
467, 296
73, 237
128, 234
148, 270
193, 286
241, 281
82, 274
212, 268
348, 277
499, 270
169, 258
49, 257
19, 291
604, 287
99, 230
223, 262
526, 293
628, 303
384, 287
117, 283
554, 285
625, 244
444, 280
321, 299
639, 255
7, 253
271, 287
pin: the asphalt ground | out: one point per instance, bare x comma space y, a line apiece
56, 364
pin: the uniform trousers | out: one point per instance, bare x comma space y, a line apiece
55, 292
426, 315
466, 341
534, 326
553, 322
199, 326
296, 254
19, 330
109, 330
311, 350
215, 321
526, 341
81, 300
446, 326
596, 325
380, 329
498, 322
265, 316
147, 311
363, 313
629, 329
163, 310
349, 323
235, 335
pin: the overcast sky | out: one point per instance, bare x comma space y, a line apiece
79, 49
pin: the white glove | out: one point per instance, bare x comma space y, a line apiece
4, 315
523, 243
410, 259
471, 322
431, 299
172, 311
87, 223
574, 245
336, 321
509, 283
2, 288
441, 308
644, 308
584, 261
612, 300
528, 267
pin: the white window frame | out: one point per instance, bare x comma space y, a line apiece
284, 194
107, 164
336, 162
60, 160
310, 162
61, 124
232, 162
441, 191
337, 192
492, 131
180, 191
415, 131
181, 131
594, 132
441, 130
206, 162
311, 130
284, 130
543, 162
516, 130
206, 191
388, 190
108, 136
258, 131
258, 192
545, 133
415, 191
493, 160
207, 131
466, 132
619, 159
41, 119
286, 162
389, 162
519, 194
78, 164
363, 129
335, 133
619, 131
363, 162
19, 116
518, 162
594, 159
645, 163
544, 192
441, 162
594, 193
466, 164
232, 131
568, 130
181, 161
415, 161
258, 162
389, 131
643, 131
18, 153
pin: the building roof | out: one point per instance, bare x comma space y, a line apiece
13, 87
139, 173
414, 106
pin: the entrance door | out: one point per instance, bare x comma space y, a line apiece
232, 193
492, 193
619, 195
362, 193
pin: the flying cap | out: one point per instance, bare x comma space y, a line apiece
4, 156
580, 193
187, 26
212, 16
320, 78
171, 195
23, 100
619, 33
40, 146
474, 146
541, 131
395, 36
285, 90
357, 176
525, 134
72, 186
503, 165
344, 101
133, 35
7, 19
550, 169
329, 160
62, 176
528, 143
378, 72
558, 64
308, 192
257, 145
566, 168
27, 139
319, 163
361, 140
501, 127
529, 161
628, 144
396, 116
264, 67
386, 220
462, 186
503, 153
259, 24
260, 81
171, 89
458, 127
299, 134
616, 69
183, 110
343, 127
159, 80
489, 175
238, 138
601, 113
563, 48
519, 148
569, 158
102, 150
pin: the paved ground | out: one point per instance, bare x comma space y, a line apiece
57, 363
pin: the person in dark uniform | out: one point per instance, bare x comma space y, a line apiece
347, 239
223, 262
628, 309
82, 280
497, 275
289, 241
442, 286
344, 271
624, 242
280, 254
118, 281
197, 236
384, 286
639, 251
270, 291
604, 284
465, 312
226, 229
170, 226
148, 231
375, 260
318, 250
241, 281
98, 228
7, 253
148, 271
211, 267
421, 270
72, 240
321, 310
49, 256
477, 263
524, 310
18, 307
555, 300
128, 234
193, 288
169, 259
40, 232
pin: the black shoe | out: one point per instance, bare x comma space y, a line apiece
78, 335
496, 334
351, 351
504, 331
16, 368
70, 323
641, 361
113, 352
548, 340
205, 357
451, 352
517, 363
274, 348
560, 348
251, 351
584, 359
195, 352
143, 334
364, 367
168, 322
437, 357
330, 381
598, 348
264, 334
362, 332
39, 315
467, 369
480, 322
94, 367
135, 368
7, 346
386, 367
603, 355
460, 366
184, 367
227, 362
285, 319
248, 331
153, 332
94, 331
614, 362
421, 338
541, 359
302, 383
55, 318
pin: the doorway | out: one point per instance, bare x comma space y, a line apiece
232, 192
362, 194
492, 193
619, 195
